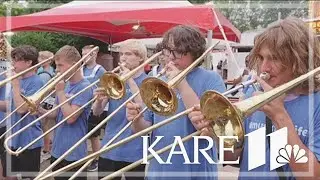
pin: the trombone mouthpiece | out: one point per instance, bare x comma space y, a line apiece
265, 76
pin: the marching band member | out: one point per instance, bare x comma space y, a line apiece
23, 57
132, 54
283, 51
181, 46
46, 72
92, 72
67, 134
161, 62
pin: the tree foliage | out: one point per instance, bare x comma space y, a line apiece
244, 15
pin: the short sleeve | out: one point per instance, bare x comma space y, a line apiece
83, 98
32, 87
214, 82
315, 135
101, 71
148, 116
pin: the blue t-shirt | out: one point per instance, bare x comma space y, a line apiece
45, 75
128, 152
93, 75
66, 135
200, 80
2, 98
28, 86
298, 109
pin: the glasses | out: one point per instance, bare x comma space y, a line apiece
168, 52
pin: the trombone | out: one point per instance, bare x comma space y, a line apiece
159, 96
35, 99
121, 79
23, 117
172, 83
115, 136
3, 82
226, 118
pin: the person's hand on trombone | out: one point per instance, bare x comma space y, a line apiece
200, 123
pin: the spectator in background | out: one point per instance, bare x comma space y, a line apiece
92, 72
161, 62
46, 72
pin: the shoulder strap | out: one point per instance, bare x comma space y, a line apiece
281, 173
94, 72
46, 72
155, 70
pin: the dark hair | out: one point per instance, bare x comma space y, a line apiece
25, 53
158, 47
186, 39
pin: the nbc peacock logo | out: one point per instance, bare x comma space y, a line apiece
286, 153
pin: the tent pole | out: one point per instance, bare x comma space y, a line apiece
207, 62
227, 43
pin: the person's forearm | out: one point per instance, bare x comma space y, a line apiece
98, 107
67, 108
140, 124
189, 97
3, 106
51, 115
134, 88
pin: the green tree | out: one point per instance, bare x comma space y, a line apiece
44, 40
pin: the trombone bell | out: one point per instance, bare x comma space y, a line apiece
113, 85
158, 97
225, 118
31, 103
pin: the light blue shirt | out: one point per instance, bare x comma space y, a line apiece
128, 152
66, 135
45, 77
200, 80
28, 87
298, 110
2, 98
92, 76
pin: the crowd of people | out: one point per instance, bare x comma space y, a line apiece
282, 50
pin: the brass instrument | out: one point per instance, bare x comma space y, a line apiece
4, 82
34, 100
104, 85
159, 96
24, 116
226, 118
175, 81
5, 47
115, 84
20, 149
115, 136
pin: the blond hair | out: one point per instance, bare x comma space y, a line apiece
292, 43
138, 48
45, 54
68, 53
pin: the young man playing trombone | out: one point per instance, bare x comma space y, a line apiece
67, 134
23, 57
284, 51
182, 45
132, 54
92, 72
